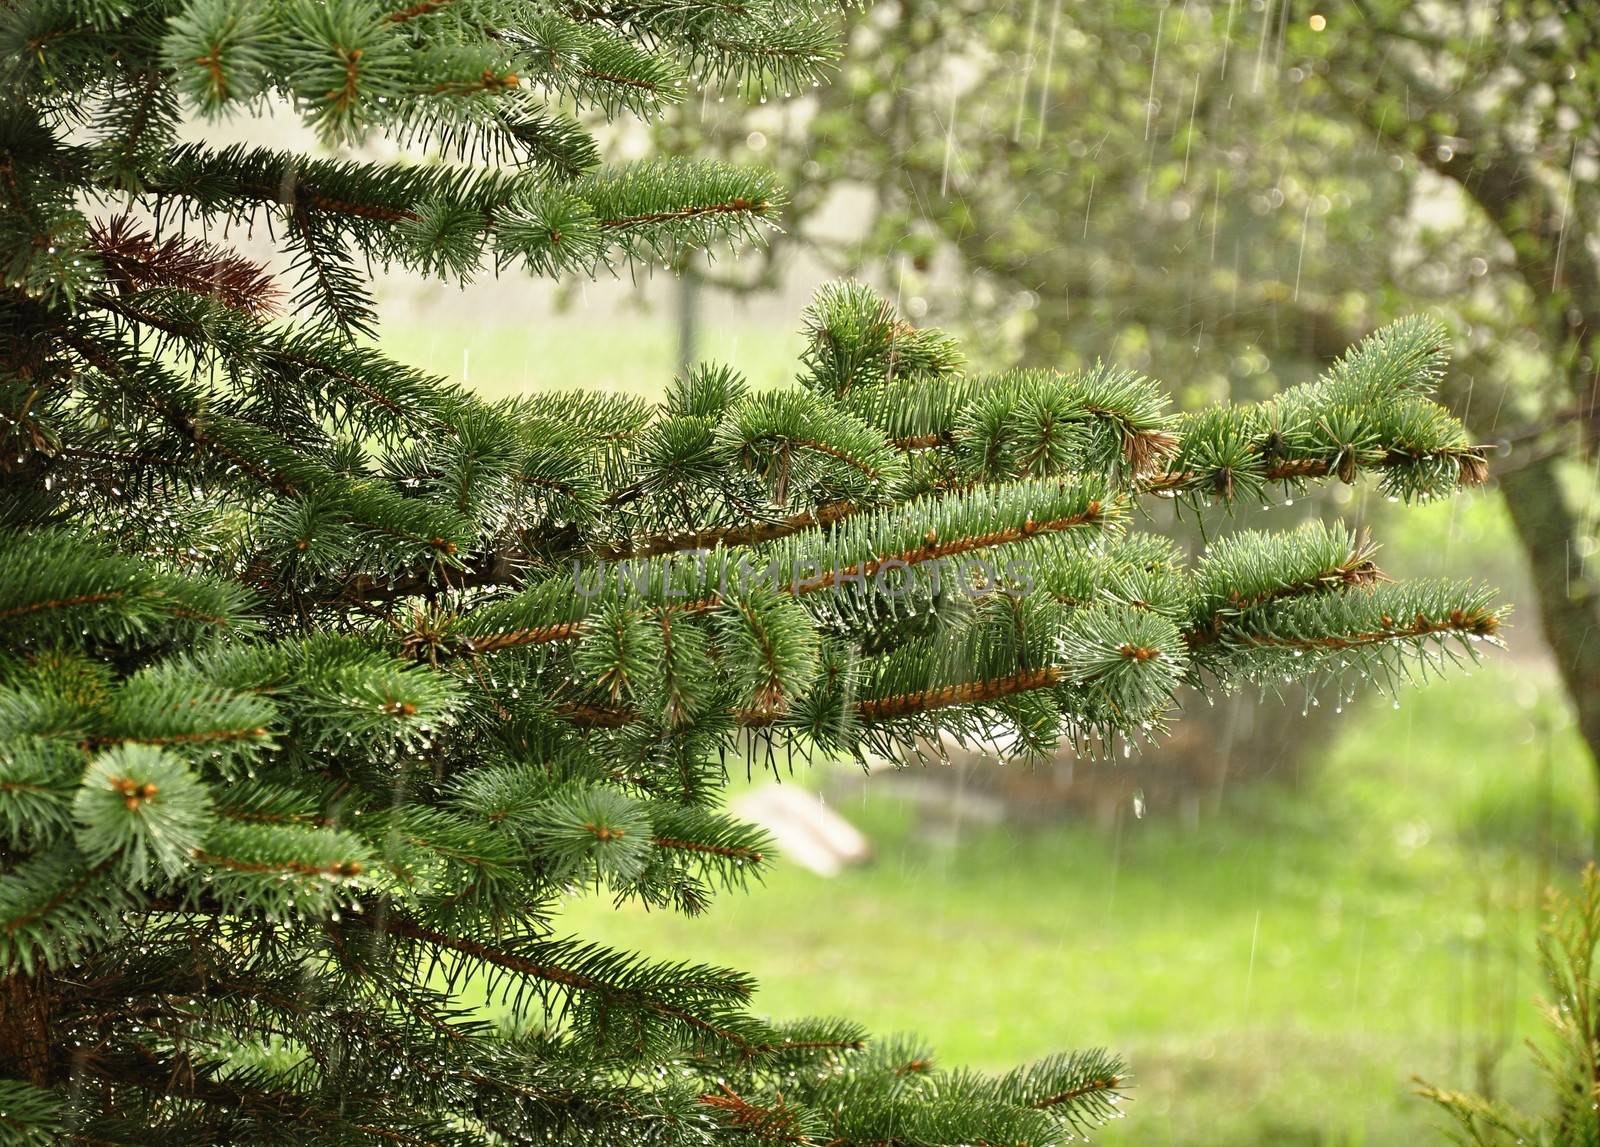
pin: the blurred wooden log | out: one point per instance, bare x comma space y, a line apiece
806, 830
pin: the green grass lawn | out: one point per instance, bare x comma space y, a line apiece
1275, 973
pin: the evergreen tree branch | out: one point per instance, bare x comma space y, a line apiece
325, 681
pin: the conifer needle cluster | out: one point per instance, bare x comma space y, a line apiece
323, 681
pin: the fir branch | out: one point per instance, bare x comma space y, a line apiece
641, 210
727, 852
621, 992
936, 549
413, 11
728, 537
1469, 465
966, 693
1252, 569
888, 708
135, 261
1463, 622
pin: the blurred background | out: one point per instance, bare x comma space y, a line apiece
1292, 904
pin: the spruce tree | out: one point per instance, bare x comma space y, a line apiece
323, 681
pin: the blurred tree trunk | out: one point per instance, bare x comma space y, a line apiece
1569, 607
